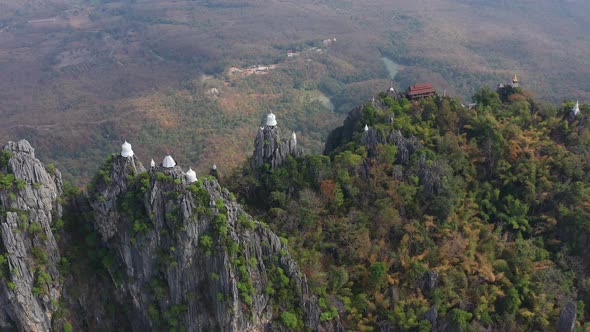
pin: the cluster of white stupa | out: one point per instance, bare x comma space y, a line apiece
168, 162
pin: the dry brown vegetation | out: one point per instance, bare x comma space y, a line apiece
79, 77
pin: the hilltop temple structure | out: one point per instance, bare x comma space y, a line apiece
168, 162
191, 176
270, 149
167, 165
126, 150
418, 91
576, 108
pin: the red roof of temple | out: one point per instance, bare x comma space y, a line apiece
420, 89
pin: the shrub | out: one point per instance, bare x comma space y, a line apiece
289, 320
205, 242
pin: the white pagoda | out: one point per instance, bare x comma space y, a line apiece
576, 109
126, 151
191, 176
168, 162
271, 120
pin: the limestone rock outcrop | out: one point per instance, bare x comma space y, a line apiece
189, 256
270, 149
177, 254
567, 318
30, 282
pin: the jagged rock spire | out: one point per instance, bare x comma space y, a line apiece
270, 148
126, 150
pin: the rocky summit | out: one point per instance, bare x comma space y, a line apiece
173, 254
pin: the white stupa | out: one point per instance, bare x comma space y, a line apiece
168, 162
126, 150
366, 128
191, 176
152, 163
294, 137
214, 167
576, 109
271, 120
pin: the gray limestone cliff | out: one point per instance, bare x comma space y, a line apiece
188, 256
29, 279
173, 254
270, 149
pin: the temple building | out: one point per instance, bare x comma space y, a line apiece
271, 120
576, 109
126, 150
418, 91
270, 149
168, 162
515, 81
214, 173
514, 84
191, 176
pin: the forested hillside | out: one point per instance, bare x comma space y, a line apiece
79, 76
436, 216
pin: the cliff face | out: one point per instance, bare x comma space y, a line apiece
29, 255
180, 255
187, 255
270, 149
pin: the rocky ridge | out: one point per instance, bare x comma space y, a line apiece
29, 206
271, 150
180, 254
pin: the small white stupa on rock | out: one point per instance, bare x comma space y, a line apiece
271, 120
191, 176
152, 164
366, 128
214, 167
576, 109
294, 137
126, 150
391, 89
168, 162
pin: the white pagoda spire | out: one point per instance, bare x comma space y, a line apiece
271, 120
126, 150
294, 137
152, 163
366, 128
191, 176
214, 167
168, 162
576, 109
